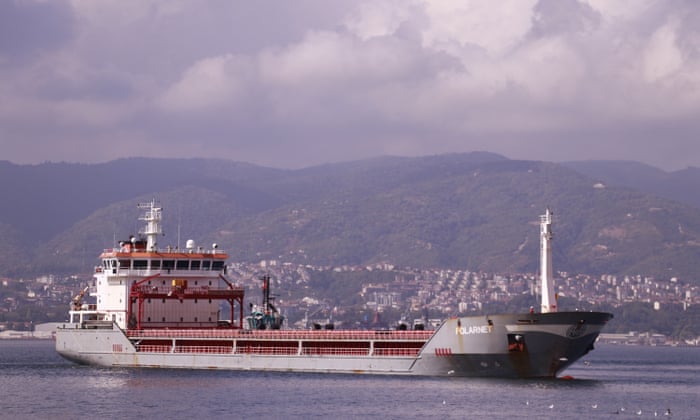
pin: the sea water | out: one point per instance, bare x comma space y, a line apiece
611, 382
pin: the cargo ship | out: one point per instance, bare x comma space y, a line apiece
162, 308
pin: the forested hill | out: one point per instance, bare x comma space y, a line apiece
682, 185
476, 211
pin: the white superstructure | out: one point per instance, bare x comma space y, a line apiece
138, 285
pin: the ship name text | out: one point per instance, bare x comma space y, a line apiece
473, 329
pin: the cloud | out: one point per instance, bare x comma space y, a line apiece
662, 57
208, 84
31, 27
493, 27
299, 83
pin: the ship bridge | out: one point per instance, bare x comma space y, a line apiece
139, 285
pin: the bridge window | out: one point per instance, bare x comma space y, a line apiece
217, 265
195, 265
125, 264
168, 264
183, 264
140, 264
155, 264
206, 264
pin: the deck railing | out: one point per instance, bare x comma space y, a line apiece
334, 351
267, 350
396, 352
278, 351
336, 335
203, 349
149, 348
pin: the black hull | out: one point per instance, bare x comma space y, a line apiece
546, 344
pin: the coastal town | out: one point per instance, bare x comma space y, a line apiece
379, 296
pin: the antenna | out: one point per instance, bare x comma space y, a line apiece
179, 223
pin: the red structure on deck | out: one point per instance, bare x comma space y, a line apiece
178, 290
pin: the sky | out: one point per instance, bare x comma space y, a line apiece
296, 83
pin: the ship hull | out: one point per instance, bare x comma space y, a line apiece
505, 346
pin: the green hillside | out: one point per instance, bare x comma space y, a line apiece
474, 211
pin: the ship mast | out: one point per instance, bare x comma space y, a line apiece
152, 217
549, 302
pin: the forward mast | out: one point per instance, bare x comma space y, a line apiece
549, 300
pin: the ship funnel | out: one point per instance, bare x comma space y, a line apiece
549, 301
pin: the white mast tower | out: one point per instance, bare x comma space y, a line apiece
152, 217
549, 301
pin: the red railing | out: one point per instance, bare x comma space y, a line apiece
396, 352
334, 351
280, 351
186, 291
203, 349
148, 348
267, 350
340, 335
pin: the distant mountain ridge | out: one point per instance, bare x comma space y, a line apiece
475, 211
682, 185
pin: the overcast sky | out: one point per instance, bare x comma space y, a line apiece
294, 83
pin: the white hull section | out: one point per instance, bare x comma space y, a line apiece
111, 348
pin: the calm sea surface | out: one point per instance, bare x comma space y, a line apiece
611, 382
